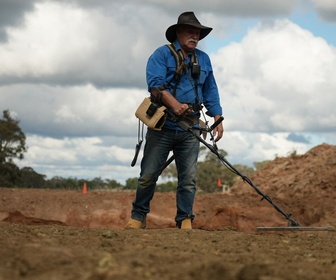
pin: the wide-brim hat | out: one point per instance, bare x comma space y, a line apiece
187, 18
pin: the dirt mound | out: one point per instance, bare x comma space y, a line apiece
313, 173
17, 217
304, 183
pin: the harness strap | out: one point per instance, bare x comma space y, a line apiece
194, 59
180, 65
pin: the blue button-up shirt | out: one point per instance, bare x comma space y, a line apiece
160, 70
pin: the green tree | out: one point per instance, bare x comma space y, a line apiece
12, 139
31, 179
112, 184
12, 145
167, 186
212, 168
209, 170
131, 183
9, 174
96, 183
229, 177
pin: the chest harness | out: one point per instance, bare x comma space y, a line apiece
192, 70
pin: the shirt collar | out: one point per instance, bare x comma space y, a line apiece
178, 47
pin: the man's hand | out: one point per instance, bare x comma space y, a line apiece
218, 130
181, 108
177, 107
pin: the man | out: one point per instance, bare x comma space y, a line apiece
184, 95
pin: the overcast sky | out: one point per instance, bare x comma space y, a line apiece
73, 73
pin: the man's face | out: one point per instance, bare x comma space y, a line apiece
188, 37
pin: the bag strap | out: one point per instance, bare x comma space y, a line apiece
180, 65
140, 140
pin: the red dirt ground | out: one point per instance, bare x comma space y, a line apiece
53, 234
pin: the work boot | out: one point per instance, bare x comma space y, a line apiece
135, 224
185, 224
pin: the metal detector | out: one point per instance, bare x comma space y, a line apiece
186, 125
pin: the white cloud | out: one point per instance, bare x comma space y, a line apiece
249, 147
73, 111
274, 79
65, 44
82, 157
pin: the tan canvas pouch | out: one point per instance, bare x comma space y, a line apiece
157, 120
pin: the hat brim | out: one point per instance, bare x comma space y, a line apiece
171, 31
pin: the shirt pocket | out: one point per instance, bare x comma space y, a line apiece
202, 77
171, 68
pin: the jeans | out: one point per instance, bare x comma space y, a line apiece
185, 147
